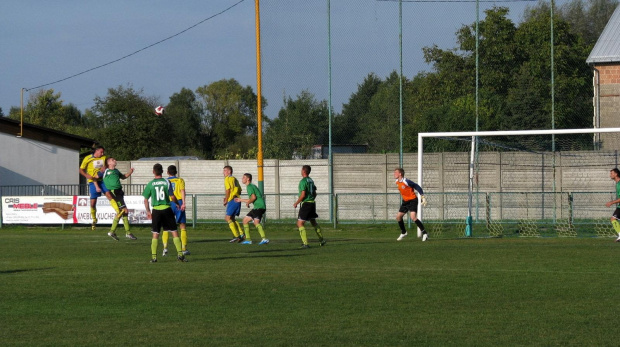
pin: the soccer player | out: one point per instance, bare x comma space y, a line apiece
409, 203
178, 187
233, 208
91, 168
112, 180
614, 174
307, 211
160, 192
256, 214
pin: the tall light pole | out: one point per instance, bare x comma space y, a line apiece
259, 156
400, 99
21, 116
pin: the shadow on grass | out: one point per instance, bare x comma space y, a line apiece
262, 256
277, 241
210, 240
24, 270
313, 242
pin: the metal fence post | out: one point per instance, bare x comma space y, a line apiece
194, 210
570, 209
335, 206
487, 200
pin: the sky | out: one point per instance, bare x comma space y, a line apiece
47, 41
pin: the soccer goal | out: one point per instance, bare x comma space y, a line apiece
522, 183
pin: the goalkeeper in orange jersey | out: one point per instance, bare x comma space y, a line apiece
407, 189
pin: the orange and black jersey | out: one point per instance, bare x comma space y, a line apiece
407, 189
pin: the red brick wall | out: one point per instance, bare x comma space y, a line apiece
610, 74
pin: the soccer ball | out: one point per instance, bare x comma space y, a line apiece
159, 110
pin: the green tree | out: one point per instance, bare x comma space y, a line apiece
382, 121
515, 77
229, 119
587, 19
45, 108
91, 121
88, 125
499, 56
14, 113
184, 113
130, 129
301, 123
529, 98
347, 125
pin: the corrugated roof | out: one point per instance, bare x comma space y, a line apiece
607, 48
43, 134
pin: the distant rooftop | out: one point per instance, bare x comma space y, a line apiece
607, 48
187, 157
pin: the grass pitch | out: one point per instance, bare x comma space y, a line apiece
78, 287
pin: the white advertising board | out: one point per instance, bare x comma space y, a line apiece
67, 210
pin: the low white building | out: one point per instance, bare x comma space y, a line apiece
40, 156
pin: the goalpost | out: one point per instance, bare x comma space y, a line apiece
517, 176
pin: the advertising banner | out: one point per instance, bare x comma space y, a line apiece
67, 210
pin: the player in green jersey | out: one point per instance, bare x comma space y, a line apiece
255, 197
614, 174
307, 194
160, 192
92, 168
112, 180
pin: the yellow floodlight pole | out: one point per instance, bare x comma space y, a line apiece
261, 185
21, 117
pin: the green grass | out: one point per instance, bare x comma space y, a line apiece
77, 287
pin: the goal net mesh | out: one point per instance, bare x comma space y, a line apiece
522, 185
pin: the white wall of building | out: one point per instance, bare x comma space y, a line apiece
28, 162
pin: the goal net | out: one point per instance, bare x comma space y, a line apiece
518, 183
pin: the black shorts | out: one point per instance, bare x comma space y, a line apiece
409, 206
307, 211
119, 196
616, 213
256, 213
163, 219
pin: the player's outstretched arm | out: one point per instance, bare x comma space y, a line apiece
127, 174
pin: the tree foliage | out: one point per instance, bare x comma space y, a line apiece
228, 125
185, 112
45, 108
587, 19
301, 123
130, 129
349, 123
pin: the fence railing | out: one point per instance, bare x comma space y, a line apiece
493, 213
61, 190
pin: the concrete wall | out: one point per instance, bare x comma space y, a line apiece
28, 162
366, 190
373, 173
